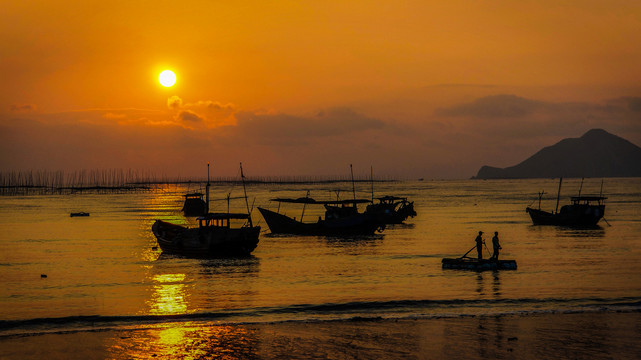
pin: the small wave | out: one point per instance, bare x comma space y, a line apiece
394, 309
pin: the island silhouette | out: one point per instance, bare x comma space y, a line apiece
595, 154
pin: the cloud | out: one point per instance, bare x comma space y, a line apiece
174, 102
206, 112
495, 106
189, 116
326, 123
113, 116
23, 107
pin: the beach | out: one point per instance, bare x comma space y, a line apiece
587, 335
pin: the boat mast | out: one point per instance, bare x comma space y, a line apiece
601, 192
351, 170
207, 192
581, 187
304, 204
558, 195
371, 178
242, 176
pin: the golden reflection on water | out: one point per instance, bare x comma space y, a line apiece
186, 341
169, 296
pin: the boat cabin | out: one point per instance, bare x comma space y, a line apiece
222, 220
585, 200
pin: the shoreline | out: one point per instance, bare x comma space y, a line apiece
569, 335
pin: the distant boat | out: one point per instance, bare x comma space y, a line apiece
391, 209
82, 213
194, 204
341, 219
583, 211
215, 235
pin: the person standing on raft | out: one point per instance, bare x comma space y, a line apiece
496, 246
479, 245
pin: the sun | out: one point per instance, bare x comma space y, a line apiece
167, 78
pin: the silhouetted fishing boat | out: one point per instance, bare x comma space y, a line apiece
194, 205
75, 214
466, 263
341, 219
391, 209
215, 236
583, 211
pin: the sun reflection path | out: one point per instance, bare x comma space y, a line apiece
169, 295
186, 340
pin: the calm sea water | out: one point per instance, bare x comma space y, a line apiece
103, 270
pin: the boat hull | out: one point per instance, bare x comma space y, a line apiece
359, 224
570, 215
205, 242
478, 265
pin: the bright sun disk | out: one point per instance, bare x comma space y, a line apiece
167, 78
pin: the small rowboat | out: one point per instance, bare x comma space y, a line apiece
82, 213
466, 263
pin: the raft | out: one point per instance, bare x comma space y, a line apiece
466, 263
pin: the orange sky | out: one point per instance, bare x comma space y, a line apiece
427, 89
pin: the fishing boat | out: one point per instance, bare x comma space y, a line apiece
341, 219
194, 204
75, 214
467, 263
391, 209
582, 211
217, 234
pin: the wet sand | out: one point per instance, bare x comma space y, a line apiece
543, 336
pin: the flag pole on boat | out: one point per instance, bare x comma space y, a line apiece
351, 170
558, 196
242, 176
207, 191
371, 178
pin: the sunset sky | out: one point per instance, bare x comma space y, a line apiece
431, 89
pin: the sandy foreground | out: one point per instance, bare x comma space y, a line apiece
604, 335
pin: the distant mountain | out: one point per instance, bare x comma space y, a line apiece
595, 154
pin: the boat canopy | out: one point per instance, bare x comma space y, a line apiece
308, 200
577, 199
391, 198
223, 216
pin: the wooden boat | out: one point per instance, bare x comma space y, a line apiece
215, 236
583, 211
82, 213
194, 204
341, 219
391, 209
388, 209
466, 263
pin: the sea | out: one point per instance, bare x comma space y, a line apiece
60, 273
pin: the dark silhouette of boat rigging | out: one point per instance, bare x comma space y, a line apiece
215, 236
584, 211
391, 209
341, 219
